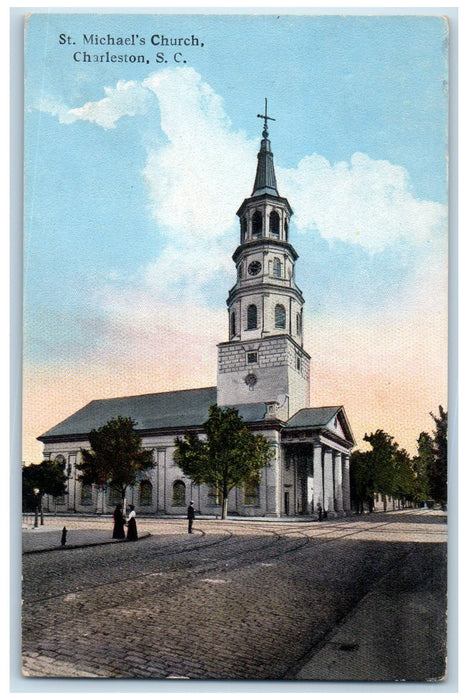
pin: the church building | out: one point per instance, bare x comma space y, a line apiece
263, 371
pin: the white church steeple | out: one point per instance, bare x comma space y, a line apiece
265, 299
264, 360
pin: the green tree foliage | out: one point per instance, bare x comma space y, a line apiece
46, 477
438, 471
423, 464
385, 469
230, 456
361, 480
116, 457
405, 477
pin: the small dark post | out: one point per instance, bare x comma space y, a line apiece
64, 537
320, 512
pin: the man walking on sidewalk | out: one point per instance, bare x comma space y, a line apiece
190, 516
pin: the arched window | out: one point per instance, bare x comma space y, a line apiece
178, 493
274, 223
233, 323
146, 493
257, 224
280, 316
214, 497
276, 267
251, 317
286, 229
251, 495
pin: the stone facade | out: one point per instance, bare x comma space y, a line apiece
272, 370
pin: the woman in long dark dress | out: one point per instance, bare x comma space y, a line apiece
119, 522
132, 533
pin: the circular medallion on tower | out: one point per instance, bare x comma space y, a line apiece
250, 380
255, 267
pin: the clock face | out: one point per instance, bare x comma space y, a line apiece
255, 267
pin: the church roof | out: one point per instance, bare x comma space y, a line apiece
322, 417
168, 410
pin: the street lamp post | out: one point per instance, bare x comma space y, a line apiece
36, 507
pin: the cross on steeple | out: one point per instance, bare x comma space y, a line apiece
265, 117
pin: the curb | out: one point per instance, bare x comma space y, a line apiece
82, 546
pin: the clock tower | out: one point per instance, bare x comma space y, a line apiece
264, 360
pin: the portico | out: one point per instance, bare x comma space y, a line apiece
316, 445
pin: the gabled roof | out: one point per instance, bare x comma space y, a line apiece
332, 418
167, 410
172, 409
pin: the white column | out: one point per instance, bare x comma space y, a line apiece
318, 480
338, 482
273, 480
346, 487
329, 505
310, 483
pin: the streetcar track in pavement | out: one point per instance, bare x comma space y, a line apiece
289, 611
300, 540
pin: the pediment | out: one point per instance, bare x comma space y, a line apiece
339, 425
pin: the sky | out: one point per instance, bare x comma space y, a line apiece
134, 172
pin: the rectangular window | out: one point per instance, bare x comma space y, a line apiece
252, 357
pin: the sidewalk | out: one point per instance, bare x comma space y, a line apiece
394, 632
44, 539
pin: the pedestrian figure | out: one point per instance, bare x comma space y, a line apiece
190, 516
119, 522
320, 512
63, 541
132, 533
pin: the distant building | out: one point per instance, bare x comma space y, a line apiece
263, 371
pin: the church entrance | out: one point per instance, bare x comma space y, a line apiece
298, 500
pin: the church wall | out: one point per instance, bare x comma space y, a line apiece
163, 478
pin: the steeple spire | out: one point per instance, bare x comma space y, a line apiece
265, 178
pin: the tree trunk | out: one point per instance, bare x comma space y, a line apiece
224, 508
224, 502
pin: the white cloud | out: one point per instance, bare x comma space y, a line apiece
195, 182
128, 98
368, 202
198, 178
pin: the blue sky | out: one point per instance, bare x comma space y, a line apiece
134, 172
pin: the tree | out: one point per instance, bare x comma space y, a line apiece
361, 480
405, 477
382, 459
116, 457
39, 479
438, 470
230, 456
385, 469
423, 464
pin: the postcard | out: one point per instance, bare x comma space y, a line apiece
235, 400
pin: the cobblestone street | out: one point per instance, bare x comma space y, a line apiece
236, 599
